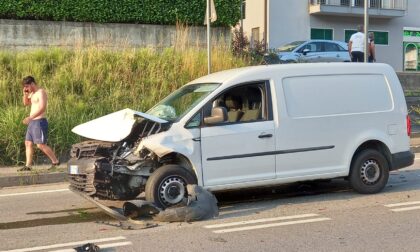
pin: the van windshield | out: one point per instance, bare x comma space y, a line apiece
180, 102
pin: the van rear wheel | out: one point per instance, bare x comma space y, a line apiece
369, 172
167, 186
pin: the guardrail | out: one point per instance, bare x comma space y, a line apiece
377, 4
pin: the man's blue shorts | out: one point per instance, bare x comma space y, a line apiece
37, 131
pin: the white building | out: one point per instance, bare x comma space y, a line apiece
396, 24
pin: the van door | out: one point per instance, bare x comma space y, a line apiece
240, 149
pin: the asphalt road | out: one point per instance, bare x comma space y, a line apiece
300, 217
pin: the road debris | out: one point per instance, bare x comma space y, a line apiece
199, 205
88, 247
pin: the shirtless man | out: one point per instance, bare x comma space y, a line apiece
37, 123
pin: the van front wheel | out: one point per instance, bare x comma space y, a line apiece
369, 172
167, 186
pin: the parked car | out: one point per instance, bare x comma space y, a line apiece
251, 127
314, 51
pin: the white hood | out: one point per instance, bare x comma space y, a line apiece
113, 127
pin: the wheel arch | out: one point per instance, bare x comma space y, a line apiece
179, 159
376, 145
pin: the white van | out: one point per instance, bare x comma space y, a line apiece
251, 127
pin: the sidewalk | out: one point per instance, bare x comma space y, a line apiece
9, 176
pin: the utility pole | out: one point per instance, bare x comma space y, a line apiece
265, 26
208, 36
366, 43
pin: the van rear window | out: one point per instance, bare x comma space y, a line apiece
311, 96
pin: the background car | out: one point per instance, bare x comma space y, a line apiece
314, 51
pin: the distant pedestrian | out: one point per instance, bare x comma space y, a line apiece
371, 48
357, 45
37, 130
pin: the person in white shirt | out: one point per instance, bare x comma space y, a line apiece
357, 45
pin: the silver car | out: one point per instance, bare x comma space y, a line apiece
314, 51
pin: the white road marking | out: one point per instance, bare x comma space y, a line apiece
269, 225
402, 208
37, 192
77, 243
405, 209
101, 246
403, 204
260, 221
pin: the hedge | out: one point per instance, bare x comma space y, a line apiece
121, 11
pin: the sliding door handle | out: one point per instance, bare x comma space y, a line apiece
265, 136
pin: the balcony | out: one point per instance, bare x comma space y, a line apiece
355, 8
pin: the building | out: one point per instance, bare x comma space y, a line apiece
396, 24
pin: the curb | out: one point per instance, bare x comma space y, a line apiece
32, 179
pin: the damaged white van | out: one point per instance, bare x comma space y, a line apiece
251, 127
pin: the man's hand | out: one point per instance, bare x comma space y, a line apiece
27, 120
26, 91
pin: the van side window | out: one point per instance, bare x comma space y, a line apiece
245, 103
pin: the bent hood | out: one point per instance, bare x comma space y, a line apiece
113, 127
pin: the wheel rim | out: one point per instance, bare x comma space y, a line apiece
172, 190
370, 172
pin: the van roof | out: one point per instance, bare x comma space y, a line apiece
244, 74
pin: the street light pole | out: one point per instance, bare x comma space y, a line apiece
366, 43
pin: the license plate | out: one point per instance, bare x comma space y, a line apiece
74, 169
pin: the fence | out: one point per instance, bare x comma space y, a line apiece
380, 4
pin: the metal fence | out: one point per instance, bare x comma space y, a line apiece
379, 4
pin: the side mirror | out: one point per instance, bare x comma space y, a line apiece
305, 51
218, 115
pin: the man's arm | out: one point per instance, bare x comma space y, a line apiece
372, 50
350, 44
25, 99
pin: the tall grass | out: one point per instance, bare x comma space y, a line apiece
85, 83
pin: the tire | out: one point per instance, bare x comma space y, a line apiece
167, 186
369, 172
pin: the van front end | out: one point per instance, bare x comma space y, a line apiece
114, 166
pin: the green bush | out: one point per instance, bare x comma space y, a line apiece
121, 11
83, 84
